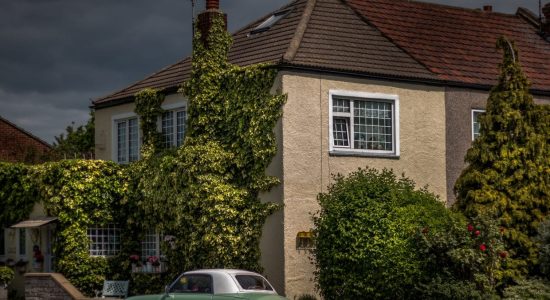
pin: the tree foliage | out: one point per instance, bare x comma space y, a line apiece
76, 142
508, 173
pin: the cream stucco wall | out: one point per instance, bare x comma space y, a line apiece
104, 121
307, 165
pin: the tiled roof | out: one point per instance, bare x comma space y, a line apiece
388, 38
458, 44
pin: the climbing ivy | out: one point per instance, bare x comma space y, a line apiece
17, 193
82, 194
148, 108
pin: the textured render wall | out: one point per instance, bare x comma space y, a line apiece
104, 125
307, 166
271, 244
458, 105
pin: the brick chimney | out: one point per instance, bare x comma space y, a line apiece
487, 8
205, 18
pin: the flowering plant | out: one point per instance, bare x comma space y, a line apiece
154, 261
134, 258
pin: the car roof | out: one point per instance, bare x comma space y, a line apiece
222, 271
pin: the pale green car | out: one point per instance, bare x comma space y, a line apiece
217, 284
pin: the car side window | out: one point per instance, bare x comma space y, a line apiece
195, 283
253, 282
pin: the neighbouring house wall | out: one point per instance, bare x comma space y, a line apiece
104, 121
18, 146
307, 165
459, 104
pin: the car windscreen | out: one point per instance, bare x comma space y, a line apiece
253, 282
194, 283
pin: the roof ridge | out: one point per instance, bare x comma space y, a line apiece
478, 10
26, 132
300, 31
365, 19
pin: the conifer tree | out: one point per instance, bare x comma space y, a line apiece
508, 176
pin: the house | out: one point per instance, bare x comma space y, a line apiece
19, 145
380, 83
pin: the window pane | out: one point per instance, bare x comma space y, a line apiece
22, 241
372, 125
167, 129
149, 245
133, 142
104, 241
475, 123
340, 132
180, 120
121, 141
2, 242
340, 105
253, 282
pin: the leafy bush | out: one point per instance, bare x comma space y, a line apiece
379, 237
6, 276
306, 297
366, 235
528, 289
544, 243
464, 259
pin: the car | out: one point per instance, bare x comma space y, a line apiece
217, 284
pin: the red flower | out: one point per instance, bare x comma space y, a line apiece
503, 254
470, 227
482, 247
477, 232
425, 230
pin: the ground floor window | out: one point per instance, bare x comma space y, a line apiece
104, 241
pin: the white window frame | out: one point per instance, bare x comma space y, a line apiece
114, 121
157, 241
21, 256
3, 245
363, 96
474, 111
93, 252
174, 109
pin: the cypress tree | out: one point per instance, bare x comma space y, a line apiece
508, 173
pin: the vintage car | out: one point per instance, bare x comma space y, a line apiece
217, 284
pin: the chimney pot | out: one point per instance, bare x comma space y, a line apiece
487, 8
212, 4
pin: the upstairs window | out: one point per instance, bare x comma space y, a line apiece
476, 113
364, 123
127, 140
173, 127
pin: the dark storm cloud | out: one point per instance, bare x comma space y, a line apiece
55, 55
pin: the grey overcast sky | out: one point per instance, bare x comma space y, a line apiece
57, 55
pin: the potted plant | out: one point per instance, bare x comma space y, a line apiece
134, 260
6, 276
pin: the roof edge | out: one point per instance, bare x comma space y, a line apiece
300, 31
27, 133
529, 17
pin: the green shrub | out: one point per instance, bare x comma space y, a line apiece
6, 276
544, 245
528, 289
366, 236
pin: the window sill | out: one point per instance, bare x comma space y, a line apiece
362, 154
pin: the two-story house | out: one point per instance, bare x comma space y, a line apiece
380, 83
